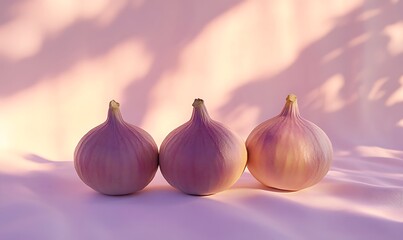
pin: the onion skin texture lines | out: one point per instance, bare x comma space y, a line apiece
116, 158
288, 152
202, 156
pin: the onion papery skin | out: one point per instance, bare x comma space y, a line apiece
116, 158
202, 157
288, 152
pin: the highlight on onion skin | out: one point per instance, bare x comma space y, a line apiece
116, 158
288, 152
202, 157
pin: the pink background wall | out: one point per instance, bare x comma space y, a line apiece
62, 61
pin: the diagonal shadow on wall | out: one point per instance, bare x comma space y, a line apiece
165, 28
344, 80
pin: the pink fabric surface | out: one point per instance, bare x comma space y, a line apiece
62, 61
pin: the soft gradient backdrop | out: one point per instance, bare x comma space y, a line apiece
62, 61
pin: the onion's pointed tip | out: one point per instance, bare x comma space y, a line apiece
291, 97
114, 105
197, 102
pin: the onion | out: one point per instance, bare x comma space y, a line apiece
202, 157
116, 158
288, 152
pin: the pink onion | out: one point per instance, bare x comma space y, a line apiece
288, 152
202, 157
116, 158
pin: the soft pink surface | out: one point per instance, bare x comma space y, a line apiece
361, 198
62, 61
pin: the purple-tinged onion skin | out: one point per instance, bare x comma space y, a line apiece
288, 152
202, 157
116, 158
